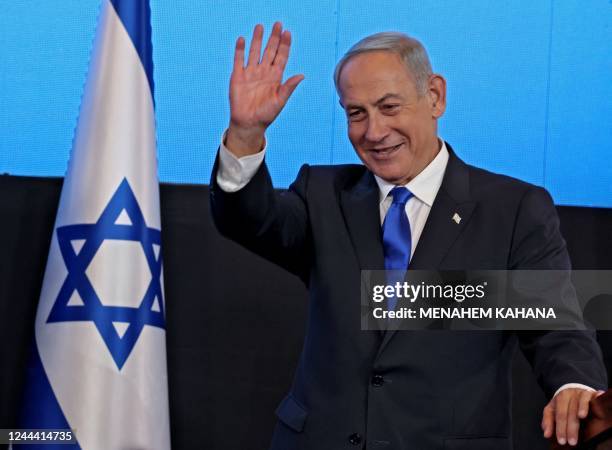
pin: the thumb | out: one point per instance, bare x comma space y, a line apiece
287, 88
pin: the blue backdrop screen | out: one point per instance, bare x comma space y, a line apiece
529, 83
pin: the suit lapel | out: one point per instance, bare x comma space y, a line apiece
361, 213
449, 215
360, 208
440, 232
441, 229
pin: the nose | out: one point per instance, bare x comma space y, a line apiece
377, 129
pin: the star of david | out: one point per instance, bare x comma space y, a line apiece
151, 308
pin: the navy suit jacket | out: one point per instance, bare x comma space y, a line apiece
403, 390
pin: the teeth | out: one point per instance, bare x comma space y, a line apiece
387, 149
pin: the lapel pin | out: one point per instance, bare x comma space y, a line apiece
457, 218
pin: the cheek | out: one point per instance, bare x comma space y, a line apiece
355, 132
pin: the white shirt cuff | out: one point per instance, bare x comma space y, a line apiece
574, 385
235, 173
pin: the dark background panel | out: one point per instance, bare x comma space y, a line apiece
235, 322
27, 215
235, 329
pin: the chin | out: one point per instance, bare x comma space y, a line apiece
387, 170
388, 176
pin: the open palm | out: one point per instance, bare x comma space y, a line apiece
257, 93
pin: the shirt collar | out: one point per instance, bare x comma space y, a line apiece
425, 185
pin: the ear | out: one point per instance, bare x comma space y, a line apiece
437, 95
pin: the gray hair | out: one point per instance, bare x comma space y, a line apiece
411, 52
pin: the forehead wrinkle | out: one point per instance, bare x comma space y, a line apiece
365, 81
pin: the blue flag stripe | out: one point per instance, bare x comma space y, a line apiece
136, 18
40, 406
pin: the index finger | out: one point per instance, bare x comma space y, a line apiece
572, 421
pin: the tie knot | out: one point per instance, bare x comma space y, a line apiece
400, 195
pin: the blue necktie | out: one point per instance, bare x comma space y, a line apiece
397, 239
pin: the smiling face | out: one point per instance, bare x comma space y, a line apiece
392, 126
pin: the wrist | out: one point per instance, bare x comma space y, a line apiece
243, 142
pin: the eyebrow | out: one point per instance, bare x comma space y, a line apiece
387, 97
377, 102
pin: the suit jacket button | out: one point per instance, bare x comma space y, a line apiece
377, 380
355, 439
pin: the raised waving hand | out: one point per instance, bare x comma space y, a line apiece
257, 92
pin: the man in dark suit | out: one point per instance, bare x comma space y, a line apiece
393, 390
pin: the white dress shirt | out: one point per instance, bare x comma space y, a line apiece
424, 188
235, 173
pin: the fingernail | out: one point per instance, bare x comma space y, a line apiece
573, 441
561, 441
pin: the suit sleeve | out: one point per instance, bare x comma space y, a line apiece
270, 223
557, 357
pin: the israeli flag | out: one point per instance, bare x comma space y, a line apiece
99, 362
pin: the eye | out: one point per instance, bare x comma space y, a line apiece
355, 115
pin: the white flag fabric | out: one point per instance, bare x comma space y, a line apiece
99, 360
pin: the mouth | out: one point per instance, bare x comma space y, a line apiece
383, 153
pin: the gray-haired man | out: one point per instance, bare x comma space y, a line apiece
365, 389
